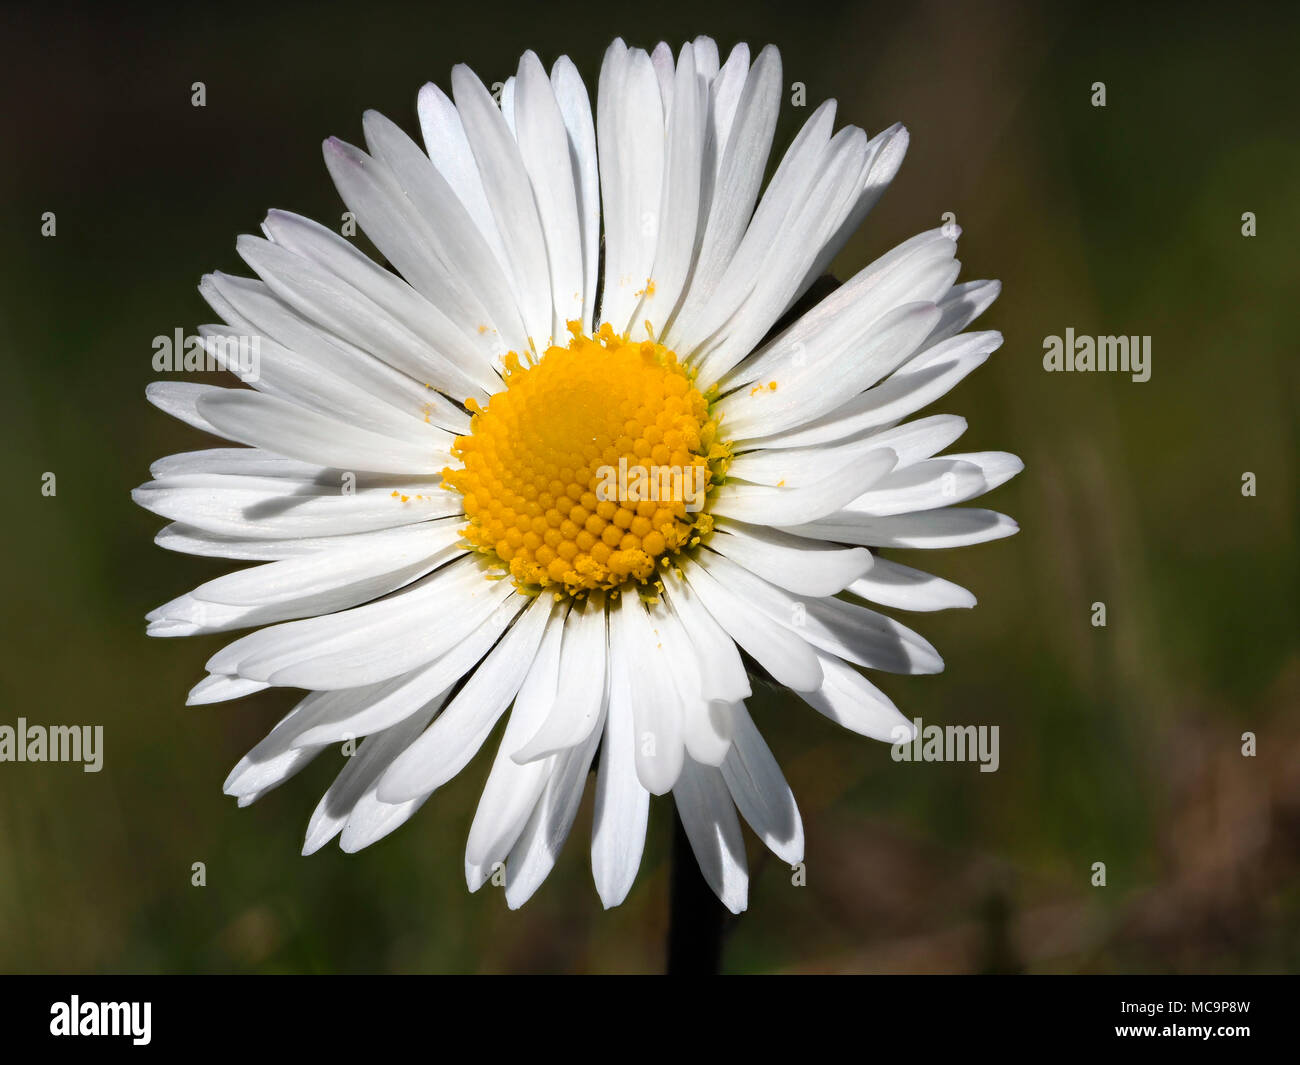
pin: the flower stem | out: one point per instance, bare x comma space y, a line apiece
696, 916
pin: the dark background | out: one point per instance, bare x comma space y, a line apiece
1119, 744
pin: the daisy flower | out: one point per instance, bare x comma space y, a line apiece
557, 466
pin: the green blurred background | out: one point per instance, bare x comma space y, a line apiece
1119, 744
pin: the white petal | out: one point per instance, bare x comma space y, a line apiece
740, 145
443, 356
850, 700
510, 197
180, 399
679, 210
308, 585
849, 363
446, 747
437, 304
389, 552
790, 184
296, 432
372, 820
193, 541
342, 808
760, 792
709, 818
998, 467
886, 151
892, 584
662, 59
248, 304
801, 234
544, 148
285, 374
729, 84
925, 485
722, 672
369, 643
778, 650
916, 384
507, 105
706, 725
844, 629
512, 788
914, 271
575, 106
576, 711
630, 138
800, 467
269, 764
467, 280
950, 527
252, 462
797, 565
656, 705
264, 509
337, 716
706, 57
357, 778
962, 305
217, 688
761, 504
534, 855
622, 805
449, 150
917, 440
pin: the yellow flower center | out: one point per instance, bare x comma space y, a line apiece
590, 468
